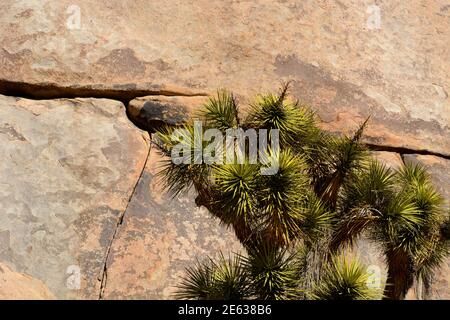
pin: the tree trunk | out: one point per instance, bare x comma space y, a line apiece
399, 275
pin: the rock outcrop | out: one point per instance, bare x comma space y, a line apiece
392, 160
81, 212
67, 171
349, 59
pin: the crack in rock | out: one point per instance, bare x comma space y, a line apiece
404, 151
124, 93
103, 278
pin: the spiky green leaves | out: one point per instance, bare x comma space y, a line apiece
374, 200
363, 203
401, 210
266, 273
238, 194
183, 166
268, 205
275, 272
278, 112
226, 279
427, 246
416, 182
323, 188
221, 112
344, 279
346, 158
282, 197
374, 187
236, 185
316, 220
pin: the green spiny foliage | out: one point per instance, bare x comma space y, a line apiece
327, 192
402, 211
317, 220
277, 111
180, 177
275, 272
221, 112
224, 279
344, 279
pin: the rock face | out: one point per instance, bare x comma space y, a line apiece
349, 59
159, 238
82, 214
152, 111
390, 159
20, 286
71, 172
67, 171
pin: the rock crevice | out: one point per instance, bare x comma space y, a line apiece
404, 151
148, 108
123, 93
103, 278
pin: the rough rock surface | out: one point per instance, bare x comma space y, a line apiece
159, 238
152, 111
67, 171
348, 58
14, 285
440, 289
390, 159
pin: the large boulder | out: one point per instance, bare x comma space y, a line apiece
160, 237
67, 171
349, 59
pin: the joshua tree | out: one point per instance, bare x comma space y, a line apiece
325, 192
401, 210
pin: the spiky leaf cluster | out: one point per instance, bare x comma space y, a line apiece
326, 192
